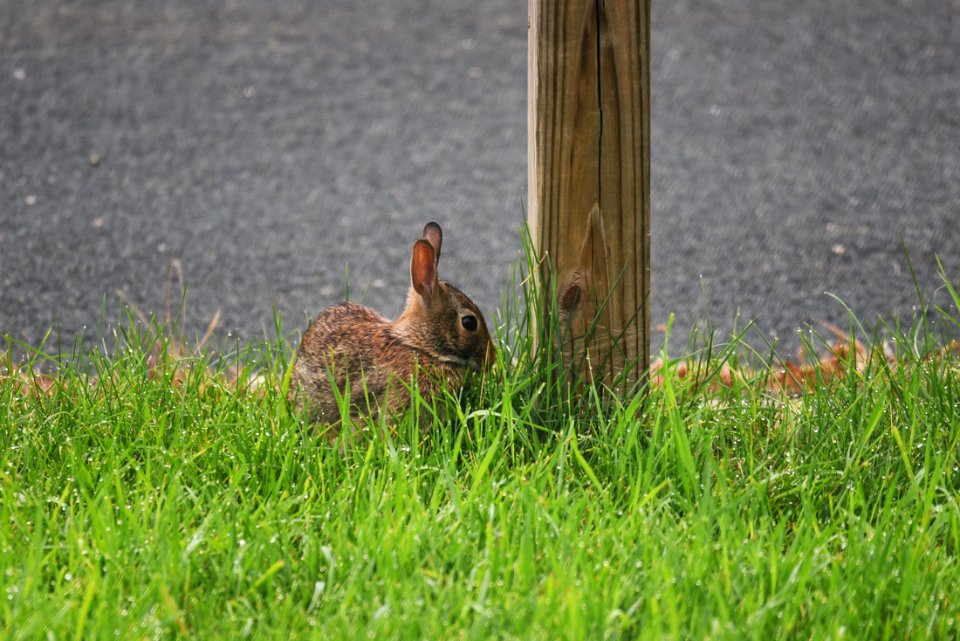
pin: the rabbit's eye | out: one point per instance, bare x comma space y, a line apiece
469, 323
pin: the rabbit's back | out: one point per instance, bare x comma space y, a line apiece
361, 350
337, 343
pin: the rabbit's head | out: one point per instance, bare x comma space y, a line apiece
439, 319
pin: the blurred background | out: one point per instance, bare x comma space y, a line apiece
270, 147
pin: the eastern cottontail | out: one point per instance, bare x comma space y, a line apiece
440, 336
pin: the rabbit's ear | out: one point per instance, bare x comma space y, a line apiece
423, 268
434, 235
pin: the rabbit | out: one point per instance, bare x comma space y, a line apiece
440, 338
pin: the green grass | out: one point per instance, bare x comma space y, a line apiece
144, 499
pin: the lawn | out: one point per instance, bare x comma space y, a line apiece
153, 494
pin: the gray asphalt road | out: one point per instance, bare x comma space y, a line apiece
267, 146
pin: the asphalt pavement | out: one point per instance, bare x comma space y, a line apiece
800, 152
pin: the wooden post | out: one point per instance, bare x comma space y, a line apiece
589, 174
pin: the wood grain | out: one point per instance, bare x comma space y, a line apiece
589, 174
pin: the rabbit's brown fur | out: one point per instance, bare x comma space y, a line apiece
379, 358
